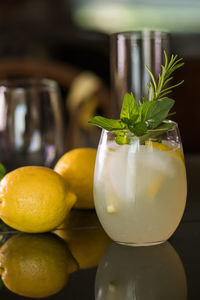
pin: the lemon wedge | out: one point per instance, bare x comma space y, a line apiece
155, 186
158, 180
111, 208
164, 147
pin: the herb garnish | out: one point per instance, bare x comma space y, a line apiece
145, 120
2, 171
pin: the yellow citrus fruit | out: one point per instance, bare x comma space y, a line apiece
34, 199
35, 265
77, 168
85, 238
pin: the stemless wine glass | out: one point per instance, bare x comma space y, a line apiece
140, 188
31, 122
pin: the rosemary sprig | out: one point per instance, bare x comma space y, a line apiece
158, 91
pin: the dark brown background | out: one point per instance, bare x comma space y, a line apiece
43, 33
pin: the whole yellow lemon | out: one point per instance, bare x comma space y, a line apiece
34, 199
35, 265
85, 237
77, 168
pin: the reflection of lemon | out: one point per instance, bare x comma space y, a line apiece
34, 199
77, 168
86, 245
35, 265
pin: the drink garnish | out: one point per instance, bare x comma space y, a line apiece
145, 120
2, 171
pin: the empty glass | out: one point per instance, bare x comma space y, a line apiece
130, 52
31, 123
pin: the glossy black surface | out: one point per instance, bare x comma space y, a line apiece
169, 271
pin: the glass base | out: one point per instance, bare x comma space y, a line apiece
141, 244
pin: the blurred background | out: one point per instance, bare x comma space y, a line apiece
68, 41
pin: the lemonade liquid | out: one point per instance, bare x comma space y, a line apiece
140, 191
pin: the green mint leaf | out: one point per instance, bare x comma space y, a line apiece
161, 129
129, 112
154, 112
121, 140
138, 129
122, 137
108, 124
2, 171
154, 133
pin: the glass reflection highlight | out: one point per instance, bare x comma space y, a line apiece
141, 273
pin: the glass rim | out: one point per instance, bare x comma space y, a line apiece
132, 134
28, 83
140, 34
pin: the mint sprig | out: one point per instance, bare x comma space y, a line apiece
108, 124
145, 120
129, 112
2, 171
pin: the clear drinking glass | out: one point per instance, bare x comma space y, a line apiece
140, 188
31, 123
130, 52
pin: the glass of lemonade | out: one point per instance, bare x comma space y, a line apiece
140, 188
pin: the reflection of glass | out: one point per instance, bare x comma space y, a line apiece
36, 265
142, 273
31, 124
129, 53
140, 188
85, 237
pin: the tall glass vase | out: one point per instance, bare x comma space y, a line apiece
130, 52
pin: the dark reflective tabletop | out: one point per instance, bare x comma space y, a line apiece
79, 261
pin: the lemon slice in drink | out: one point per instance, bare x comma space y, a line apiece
111, 200
164, 147
111, 195
125, 164
158, 180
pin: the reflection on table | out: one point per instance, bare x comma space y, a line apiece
40, 265
85, 237
143, 273
35, 265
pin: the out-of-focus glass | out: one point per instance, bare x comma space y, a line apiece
31, 123
143, 273
130, 52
